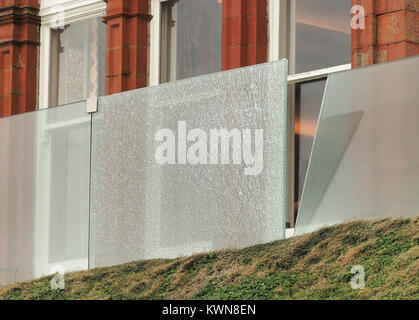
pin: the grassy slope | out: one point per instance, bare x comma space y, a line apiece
313, 266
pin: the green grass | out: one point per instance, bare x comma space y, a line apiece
312, 266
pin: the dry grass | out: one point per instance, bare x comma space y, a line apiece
312, 266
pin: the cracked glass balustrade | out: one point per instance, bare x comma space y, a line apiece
142, 210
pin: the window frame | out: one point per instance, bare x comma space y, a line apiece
155, 42
74, 11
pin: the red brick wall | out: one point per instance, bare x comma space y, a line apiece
127, 44
245, 33
391, 31
19, 41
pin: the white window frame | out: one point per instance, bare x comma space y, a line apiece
155, 43
72, 11
156, 69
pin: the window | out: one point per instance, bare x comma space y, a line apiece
72, 52
315, 36
308, 100
78, 54
320, 34
189, 33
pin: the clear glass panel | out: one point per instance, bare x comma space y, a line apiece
308, 100
191, 38
365, 160
44, 192
142, 210
78, 53
322, 34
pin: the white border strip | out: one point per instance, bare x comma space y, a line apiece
73, 11
317, 74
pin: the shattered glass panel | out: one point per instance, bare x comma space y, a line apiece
141, 209
365, 157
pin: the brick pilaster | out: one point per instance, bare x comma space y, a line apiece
391, 31
127, 44
19, 41
245, 33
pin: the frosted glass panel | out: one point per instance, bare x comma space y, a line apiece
142, 210
44, 192
365, 158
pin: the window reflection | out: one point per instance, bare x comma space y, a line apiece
308, 100
191, 38
322, 34
78, 62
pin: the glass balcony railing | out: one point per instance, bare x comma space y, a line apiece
152, 174
44, 192
365, 158
80, 190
